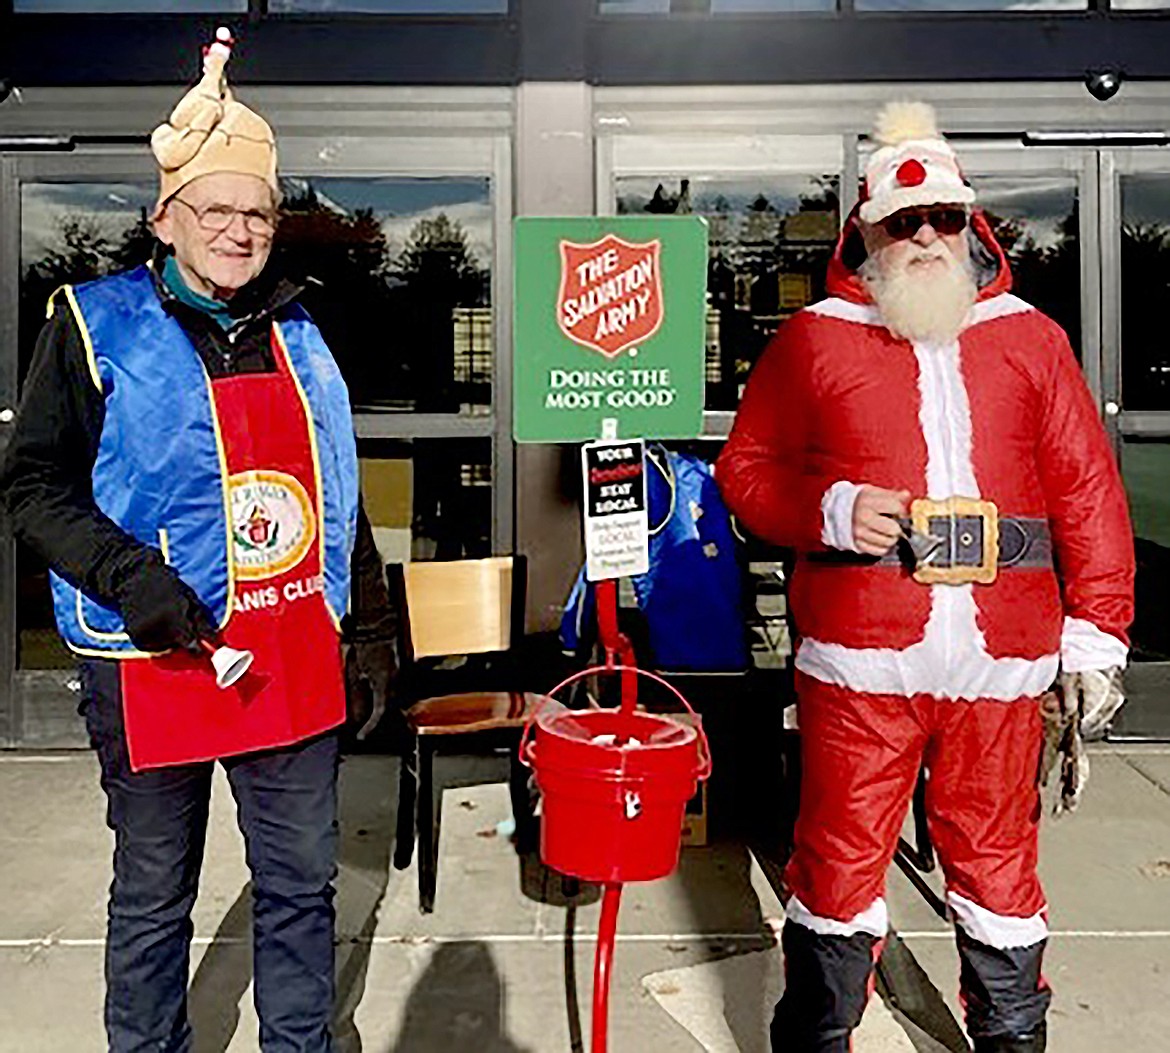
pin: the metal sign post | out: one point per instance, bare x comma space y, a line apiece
610, 334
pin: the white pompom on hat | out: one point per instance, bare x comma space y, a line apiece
915, 166
209, 131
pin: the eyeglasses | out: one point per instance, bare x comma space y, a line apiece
218, 218
907, 223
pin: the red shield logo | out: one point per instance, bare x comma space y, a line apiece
611, 293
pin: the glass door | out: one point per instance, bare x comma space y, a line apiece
774, 207
1043, 208
403, 245
1136, 393
63, 220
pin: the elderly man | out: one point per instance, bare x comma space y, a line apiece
185, 462
926, 443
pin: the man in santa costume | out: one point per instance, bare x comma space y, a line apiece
927, 444
185, 462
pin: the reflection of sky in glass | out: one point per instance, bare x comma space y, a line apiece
972, 5
1140, 5
783, 192
112, 208
100, 7
662, 7
1039, 204
400, 203
1145, 200
396, 7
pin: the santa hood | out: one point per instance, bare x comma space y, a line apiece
992, 272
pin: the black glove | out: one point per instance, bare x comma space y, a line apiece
160, 610
371, 665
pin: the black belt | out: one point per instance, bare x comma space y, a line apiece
973, 542
1023, 543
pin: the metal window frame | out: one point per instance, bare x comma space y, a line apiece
1115, 165
570, 40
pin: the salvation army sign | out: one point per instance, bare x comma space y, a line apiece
611, 293
610, 326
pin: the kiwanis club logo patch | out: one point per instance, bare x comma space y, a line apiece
611, 293
273, 523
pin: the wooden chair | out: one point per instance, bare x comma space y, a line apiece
459, 607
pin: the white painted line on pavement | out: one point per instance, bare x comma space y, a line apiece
591, 937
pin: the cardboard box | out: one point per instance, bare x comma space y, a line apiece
694, 828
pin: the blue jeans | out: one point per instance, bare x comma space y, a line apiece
286, 803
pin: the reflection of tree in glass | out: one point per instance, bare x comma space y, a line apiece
345, 259
765, 262
439, 273
1047, 276
387, 320
80, 253
437, 255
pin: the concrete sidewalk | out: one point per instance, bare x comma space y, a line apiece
498, 966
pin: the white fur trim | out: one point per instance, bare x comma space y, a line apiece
997, 307
944, 184
1084, 648
951, 660
945, 416
847, 311
997, 930
932, 192
837, 514
875, 920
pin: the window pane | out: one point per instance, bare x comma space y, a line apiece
715, 7
771, 239
1145, 285
972, 5
99, 7
1146, 467
69, 232
404, 293
1037, 221
396, 7
428, 498
1139, 5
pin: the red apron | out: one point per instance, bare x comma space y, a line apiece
173, 710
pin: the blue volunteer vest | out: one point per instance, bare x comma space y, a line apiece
160, 469
692, 595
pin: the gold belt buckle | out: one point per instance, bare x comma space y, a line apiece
924, 510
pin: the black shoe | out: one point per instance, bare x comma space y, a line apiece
1034, 1043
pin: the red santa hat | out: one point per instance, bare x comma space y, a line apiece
914, 166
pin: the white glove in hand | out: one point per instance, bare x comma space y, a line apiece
1098, 695
1084, 705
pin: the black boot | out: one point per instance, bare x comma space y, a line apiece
1033, 1043
825, 991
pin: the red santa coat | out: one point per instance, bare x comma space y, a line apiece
1002, 414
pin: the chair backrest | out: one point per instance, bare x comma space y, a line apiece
464, 606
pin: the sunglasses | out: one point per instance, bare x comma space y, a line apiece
907, 223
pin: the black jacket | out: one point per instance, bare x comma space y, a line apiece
46, 476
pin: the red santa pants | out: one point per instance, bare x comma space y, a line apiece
861, 756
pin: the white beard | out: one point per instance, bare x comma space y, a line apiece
923, 304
